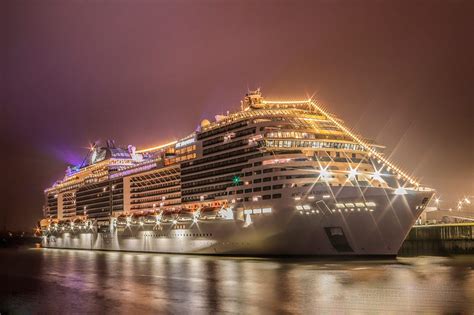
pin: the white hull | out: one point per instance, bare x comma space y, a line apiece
285, 231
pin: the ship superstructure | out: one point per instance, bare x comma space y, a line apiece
274, 178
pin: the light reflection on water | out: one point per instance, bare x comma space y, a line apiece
59, 281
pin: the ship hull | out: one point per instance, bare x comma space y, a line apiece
323, 231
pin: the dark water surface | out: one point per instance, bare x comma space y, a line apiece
71, 281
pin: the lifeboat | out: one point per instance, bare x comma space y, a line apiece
150, 219
121, 221
185, 215
64, 225
169, 216
137, 219
77, 225
210, 213
44, 226
53, 227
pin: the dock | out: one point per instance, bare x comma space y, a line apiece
439, 239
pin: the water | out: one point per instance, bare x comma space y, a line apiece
73, 281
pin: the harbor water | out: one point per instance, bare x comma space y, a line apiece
40, 281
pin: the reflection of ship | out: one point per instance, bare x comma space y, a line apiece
276, 178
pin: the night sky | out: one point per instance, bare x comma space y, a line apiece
146, 72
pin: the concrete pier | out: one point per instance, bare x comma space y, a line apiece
439, 239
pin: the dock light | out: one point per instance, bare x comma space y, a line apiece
141, 223
311, 197
201, 198
467, 201
297, 198
174, 221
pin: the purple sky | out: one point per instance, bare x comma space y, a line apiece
146, 72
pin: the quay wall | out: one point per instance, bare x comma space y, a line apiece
439, 239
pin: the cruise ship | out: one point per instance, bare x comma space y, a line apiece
273, 178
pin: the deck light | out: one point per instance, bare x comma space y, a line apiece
324, 173
400, 191
353, 173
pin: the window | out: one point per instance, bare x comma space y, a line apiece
258, 180
267, 187
276, 196
267, 210
278, 186
257, 189
248, 190
267, 179
265, 197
